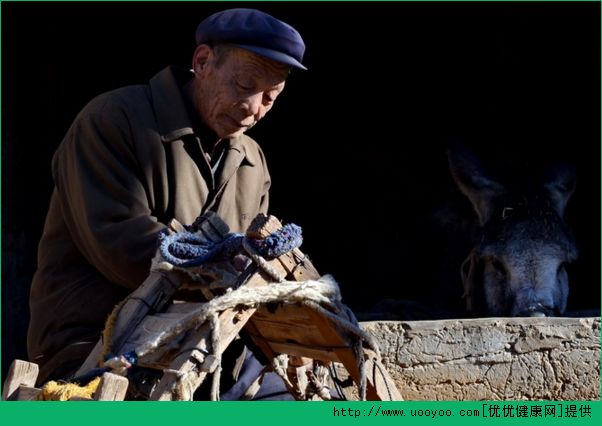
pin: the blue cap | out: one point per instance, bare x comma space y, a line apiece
256, 31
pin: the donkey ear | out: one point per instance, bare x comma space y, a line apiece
470, 176
559, 183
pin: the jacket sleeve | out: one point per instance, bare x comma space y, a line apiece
102, 196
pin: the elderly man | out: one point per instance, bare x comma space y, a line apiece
139, 156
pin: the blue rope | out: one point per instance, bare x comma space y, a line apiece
282, 241
186, 249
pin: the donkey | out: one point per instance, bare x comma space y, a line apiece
517, 266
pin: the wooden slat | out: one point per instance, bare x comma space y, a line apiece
149, 326
152, 295
20, 373
111, 388
24, 393
323, 354
152, 324
379, 379
182, 307
258, 339
290, 323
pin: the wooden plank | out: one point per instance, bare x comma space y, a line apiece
111, 388
323, 354
258, 339
152, 324
379, 379
186, 364
291, 323
212, 227
346, 357
151, 296
380, 385
20, 373
182, 307
149, 326
286, 313
24, 393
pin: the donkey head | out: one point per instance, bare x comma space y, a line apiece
518, 266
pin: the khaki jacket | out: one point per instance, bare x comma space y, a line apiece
121, 173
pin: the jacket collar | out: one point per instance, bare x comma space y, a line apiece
170, 110
244, 146
172, 115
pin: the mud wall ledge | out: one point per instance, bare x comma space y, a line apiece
492, 358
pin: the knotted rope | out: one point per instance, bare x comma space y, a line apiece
187, 249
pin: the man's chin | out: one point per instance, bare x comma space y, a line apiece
231, 128
228, 129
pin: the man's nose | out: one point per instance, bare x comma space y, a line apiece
253, 105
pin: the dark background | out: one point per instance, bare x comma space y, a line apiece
356, 145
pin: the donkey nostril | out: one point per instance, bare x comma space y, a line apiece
539, 310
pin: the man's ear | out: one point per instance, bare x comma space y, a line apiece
202, 55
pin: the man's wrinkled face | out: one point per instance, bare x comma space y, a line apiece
235, 91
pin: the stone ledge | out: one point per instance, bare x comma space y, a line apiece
492, 358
